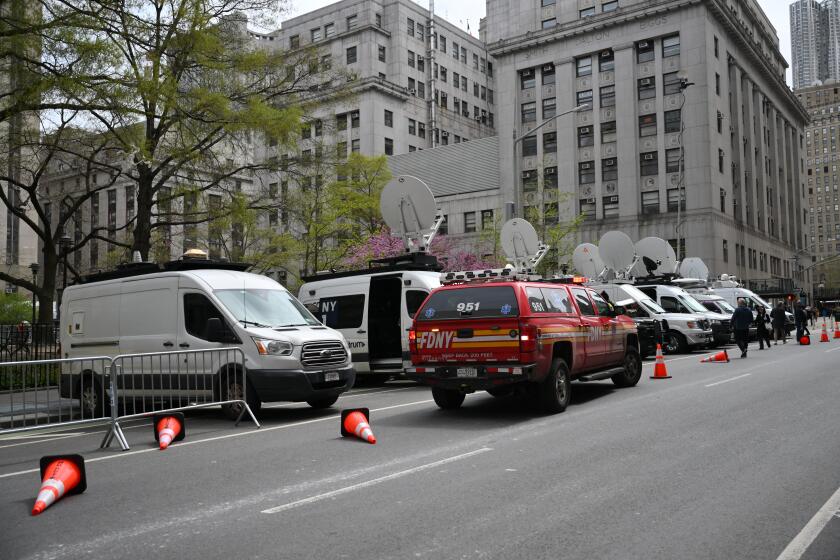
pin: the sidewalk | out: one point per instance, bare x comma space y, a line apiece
42, 406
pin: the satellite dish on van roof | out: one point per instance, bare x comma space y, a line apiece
652, 249
408, 207
587, 260
694, 267
519, 239
616, 250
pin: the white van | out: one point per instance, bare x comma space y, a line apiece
373, 310
190, 305
680, 331
675, 299
732, 291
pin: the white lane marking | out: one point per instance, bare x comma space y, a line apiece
216, 438
832, 350
806, 536
728, 380
366, 484
669, 360
61, 435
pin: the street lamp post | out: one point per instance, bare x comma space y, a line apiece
684, 84
34, 268
516, 141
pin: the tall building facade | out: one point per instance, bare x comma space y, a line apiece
822, 154
691, 134
815, 41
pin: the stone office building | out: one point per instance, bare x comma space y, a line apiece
682, 93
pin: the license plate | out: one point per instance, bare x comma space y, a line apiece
467, 372
331, 376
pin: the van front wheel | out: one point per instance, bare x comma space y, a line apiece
234, 390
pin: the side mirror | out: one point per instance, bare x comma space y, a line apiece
619, 310
215, 330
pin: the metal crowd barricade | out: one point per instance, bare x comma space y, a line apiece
147, 384
41, 394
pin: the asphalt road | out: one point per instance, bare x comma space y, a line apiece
728, 461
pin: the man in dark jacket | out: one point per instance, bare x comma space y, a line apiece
800, 319
777, 320
742, 318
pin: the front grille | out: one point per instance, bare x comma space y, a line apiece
323, 354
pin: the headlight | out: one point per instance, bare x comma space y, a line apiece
269, 347
691, 325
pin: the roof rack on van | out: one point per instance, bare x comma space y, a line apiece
416, 261
127, 270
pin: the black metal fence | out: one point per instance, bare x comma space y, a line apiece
25, 341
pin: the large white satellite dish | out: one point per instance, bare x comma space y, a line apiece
408, 207
519, 239
587, 260
616, 250
694, 267
653, 250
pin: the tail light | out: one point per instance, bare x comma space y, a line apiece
412, 340
528, 338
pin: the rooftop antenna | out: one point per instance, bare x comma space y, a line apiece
587, 260
521, 245
617, 252
653, 251
694, 267
408, 207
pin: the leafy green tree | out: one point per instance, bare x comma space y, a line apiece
14, 308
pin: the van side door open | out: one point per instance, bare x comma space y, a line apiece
385, 322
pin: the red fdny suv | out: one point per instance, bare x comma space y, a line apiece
527, 336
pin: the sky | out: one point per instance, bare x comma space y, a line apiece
464, 12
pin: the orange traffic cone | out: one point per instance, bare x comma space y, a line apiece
60, 475
721, 356
836, 330
354, 422
824, 335
168, 427
659, 369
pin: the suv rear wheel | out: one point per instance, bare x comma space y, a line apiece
555, 390
632, 371
447, 399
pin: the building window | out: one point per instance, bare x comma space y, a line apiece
378, 20
717, 83
606, 60
549, 23
549, 107
315, 34
550, 178
550, 142
455, 50
610, 206
545, 3
529, 112
421, 63
585, 97
670, 83
670, 46
442, 43
529, 180
341, 121
609, 169
716, 56
608, 96
306, 131
443, 74
586, 136
341, 150
608, 132
421, 129
354, 119
294, 42
381, 53
548, 75
650, 202
672, 121
529, 146
647, 125
352, 21
609, 6
586, 172
644, 51
719, 122
354, 146
486, 219
389, 118
129, 204
412, 126
649, 163
351, 55
469, 222
725, 242
647, 88
586, 12
412, 86
721, 157
421, 90
674, 199
587, 207
583, 66
411, 59
672, 160
410, 27
527, 79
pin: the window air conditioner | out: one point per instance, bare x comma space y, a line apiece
645, 81
606, 53
643, 44
412, 91
585, 130
548, 67
612, 199
648, 156
444, 134
590, 201
609, 162
586, 166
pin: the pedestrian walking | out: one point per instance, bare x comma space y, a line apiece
777, 320
742, 318
762, 327
800, 319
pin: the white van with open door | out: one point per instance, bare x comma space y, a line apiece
373, 309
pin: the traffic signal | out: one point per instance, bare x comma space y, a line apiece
790, 297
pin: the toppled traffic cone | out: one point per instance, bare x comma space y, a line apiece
60, 475
824, 335
721, 356
168, 427
354, 422
659, 369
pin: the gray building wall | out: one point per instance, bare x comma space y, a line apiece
730, 52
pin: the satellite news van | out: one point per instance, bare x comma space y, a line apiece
373, 307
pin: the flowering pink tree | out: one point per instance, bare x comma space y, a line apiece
452, 254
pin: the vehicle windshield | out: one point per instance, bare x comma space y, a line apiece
266, 308
692, 304
725, 306
652, 306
